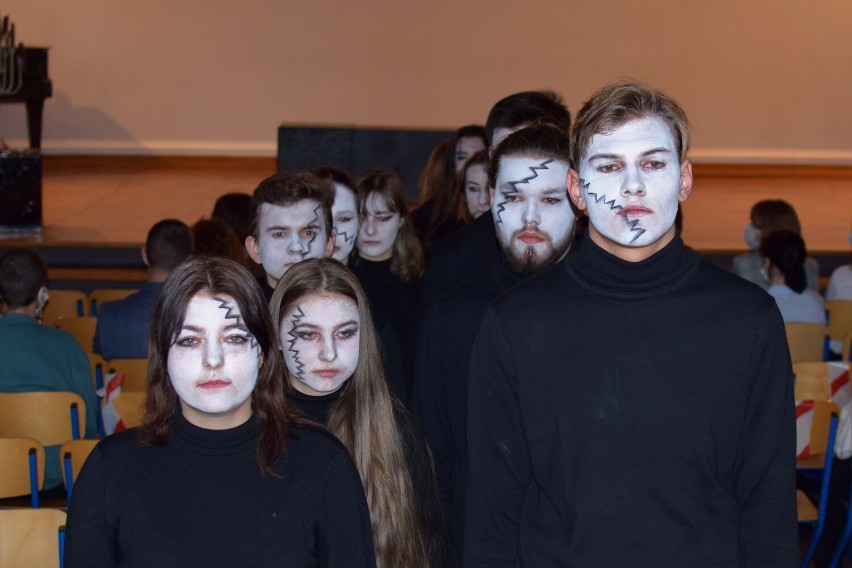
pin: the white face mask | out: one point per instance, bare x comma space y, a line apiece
532, 213
345, 216
476, 192
631, 182
320, 340
213, 363
288, 235
379, 228
751, 235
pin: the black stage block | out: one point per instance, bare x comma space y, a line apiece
20, 193
359, 149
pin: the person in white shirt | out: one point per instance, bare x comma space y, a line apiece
784, 257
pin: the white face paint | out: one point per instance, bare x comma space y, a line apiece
476, 192
532, 213
378, 229
287, 235
466, 147
345, 216
213, 363
320, 341
631, 181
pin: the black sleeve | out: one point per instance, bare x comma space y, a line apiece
498, 462
348, 534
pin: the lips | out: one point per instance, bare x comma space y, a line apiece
531, 237
214, 384
327, 373
635, 211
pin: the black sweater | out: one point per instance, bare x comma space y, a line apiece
200, 500
633, 414
440, 386
318, 409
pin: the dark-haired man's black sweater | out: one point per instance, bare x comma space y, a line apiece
631, 414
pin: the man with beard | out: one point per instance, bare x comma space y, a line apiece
533, 222
632, 406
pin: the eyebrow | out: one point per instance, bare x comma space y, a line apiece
315, 326
227, 327
619, 156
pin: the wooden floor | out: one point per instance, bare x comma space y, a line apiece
91, 201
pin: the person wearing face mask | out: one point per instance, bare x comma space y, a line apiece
840, 283
390, 260
784, 256
36, 357
766, 217
333, 375
221, 472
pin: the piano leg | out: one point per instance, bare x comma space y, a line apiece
35, 108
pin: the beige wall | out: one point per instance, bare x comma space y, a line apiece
762, 80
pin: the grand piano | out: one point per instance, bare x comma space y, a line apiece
34, 87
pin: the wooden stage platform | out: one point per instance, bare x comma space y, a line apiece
97, 210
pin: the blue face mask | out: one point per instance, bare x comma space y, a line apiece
751, 234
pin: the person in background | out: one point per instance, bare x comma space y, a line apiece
440, 212
213, 237
473, 249
334, 376
36, 357
768, 216
784, 255
840, 283
235, 210
390, 260
123, 325
291, 221
474, 183
345, 211
220, 473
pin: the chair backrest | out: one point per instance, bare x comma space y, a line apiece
82, 328
839, 317
135, 372
101, 295
131, 407
847, 347
21, 468
73, 455
807, 341
99, 369
48, 417
811, 380
30, 537
69, 303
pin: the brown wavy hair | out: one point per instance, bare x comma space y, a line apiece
363, 417
407, 260
215, 276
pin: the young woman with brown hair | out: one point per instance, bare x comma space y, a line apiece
334, 375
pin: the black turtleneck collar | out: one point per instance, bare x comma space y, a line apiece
317, 408
599, 270
232, 441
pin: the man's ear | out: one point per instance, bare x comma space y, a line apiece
144, 257
490, 197
685, 180
575, 190
251, 247
329, 246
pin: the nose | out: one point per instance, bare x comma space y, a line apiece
530, 214
213, 355
633, 184
369, 225
484, 199
328, 352
296, 246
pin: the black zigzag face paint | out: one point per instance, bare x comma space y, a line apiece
290, 234
532, 213
213, 363
320, 342
630, 179
345, 214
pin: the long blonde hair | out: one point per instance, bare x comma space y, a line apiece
363, 418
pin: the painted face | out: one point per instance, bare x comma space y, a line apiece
476, 191
532, 213
379, 227
213, 363
630, 182
466, 147
287, 235
345, 215
320, 342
